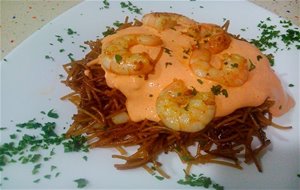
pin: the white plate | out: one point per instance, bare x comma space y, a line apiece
31, 83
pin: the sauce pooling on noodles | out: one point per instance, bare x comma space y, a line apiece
141, 94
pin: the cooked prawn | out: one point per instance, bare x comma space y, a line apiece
163, 21
233, 72
117, 58
183, 109
210, 36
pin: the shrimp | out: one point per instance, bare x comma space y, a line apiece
183, 109
210, 36
117, 58
162, 21
233, 72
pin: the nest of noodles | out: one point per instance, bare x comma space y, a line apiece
225, 140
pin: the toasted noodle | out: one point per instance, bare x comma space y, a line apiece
224, 141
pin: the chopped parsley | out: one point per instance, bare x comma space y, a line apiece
199, 181
234, 65
118, 58
53, 168
259, 57
31, 124
271, 59
243, 29
83, 47
13, 136
194, 91
57, 174
109, 31
61, 50
117, 23
187, 51
37, 181
81, 182
106, 4
36, 169
52, 114
35, 158
167, 64
217, 90
85, 158
159, 177
59, 38
199, 81
76, 144
132, 8
291, 85
252, 66
49, 57
270, 35
71, 32
186, 108
47, 176
70, 56
168, 51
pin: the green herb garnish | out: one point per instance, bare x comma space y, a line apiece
118, 58
85, 158
132, 8
109, 31
252, 66
36, 169
13, 136
200, 81
53, 168
217, 90
81, 182
52, 114
271, 59
76, 144
70, 56
57, 174
47, 176
168, 63
37, 180
71, 32
259, 57
168, 51
194, 91
49, 57
291, 85
59, 38
199, 181
106, 4
159, 177
234, 65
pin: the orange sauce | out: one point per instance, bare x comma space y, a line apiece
141, 94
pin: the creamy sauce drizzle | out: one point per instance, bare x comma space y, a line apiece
141, 94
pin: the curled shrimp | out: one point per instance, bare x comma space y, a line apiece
117, 58
210, 37
163, 21
183, 109
233, 72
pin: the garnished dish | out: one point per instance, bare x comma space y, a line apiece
168, 83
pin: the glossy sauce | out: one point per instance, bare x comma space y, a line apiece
141, 94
